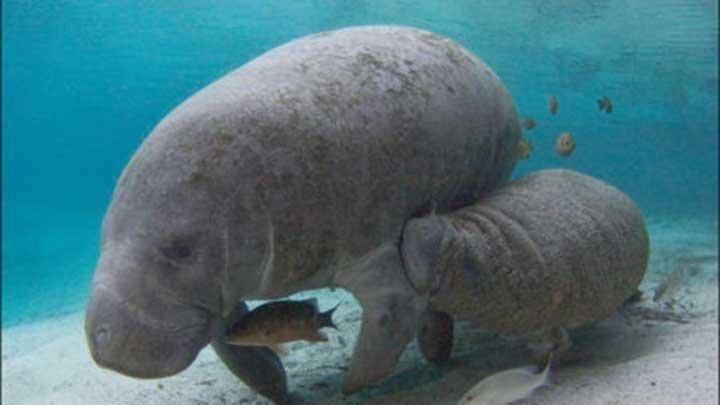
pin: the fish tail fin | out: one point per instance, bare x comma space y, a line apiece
601, 104
545, 373
318, 336
326, 318
279, 348
311, 301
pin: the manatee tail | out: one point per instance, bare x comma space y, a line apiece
326, 318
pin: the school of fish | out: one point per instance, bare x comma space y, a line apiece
564, 143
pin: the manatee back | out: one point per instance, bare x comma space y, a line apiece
341, 136
377, 122
555, 248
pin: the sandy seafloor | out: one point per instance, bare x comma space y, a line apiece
652, 353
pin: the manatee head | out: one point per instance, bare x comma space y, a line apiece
426, 243
183, 241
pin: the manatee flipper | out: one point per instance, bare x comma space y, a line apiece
435, 336
391, 313
258, 367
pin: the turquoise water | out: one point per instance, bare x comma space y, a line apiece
85, 81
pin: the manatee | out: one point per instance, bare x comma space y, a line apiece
296, 171
551, 251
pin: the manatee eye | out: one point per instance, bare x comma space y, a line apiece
177, 250
181, 251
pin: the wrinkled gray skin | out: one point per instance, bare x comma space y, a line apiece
296, 171
555, 249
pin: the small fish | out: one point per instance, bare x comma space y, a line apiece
564, 144
278, 322
529, 123
670, 286
523, 148
507, 386
604, 103
553, 105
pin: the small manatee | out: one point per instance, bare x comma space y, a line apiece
553, 249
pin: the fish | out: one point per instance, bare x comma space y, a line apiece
507, 386
565, 144
523, 148
670, 286
275, 323
529, 123
553, 105
604, 103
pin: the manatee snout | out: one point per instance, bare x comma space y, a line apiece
424, 241
141, 334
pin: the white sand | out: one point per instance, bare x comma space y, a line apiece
623, 360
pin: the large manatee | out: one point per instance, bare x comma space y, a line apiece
296, 171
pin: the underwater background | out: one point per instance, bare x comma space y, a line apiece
84, 81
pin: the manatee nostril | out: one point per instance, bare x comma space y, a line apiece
101, 336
